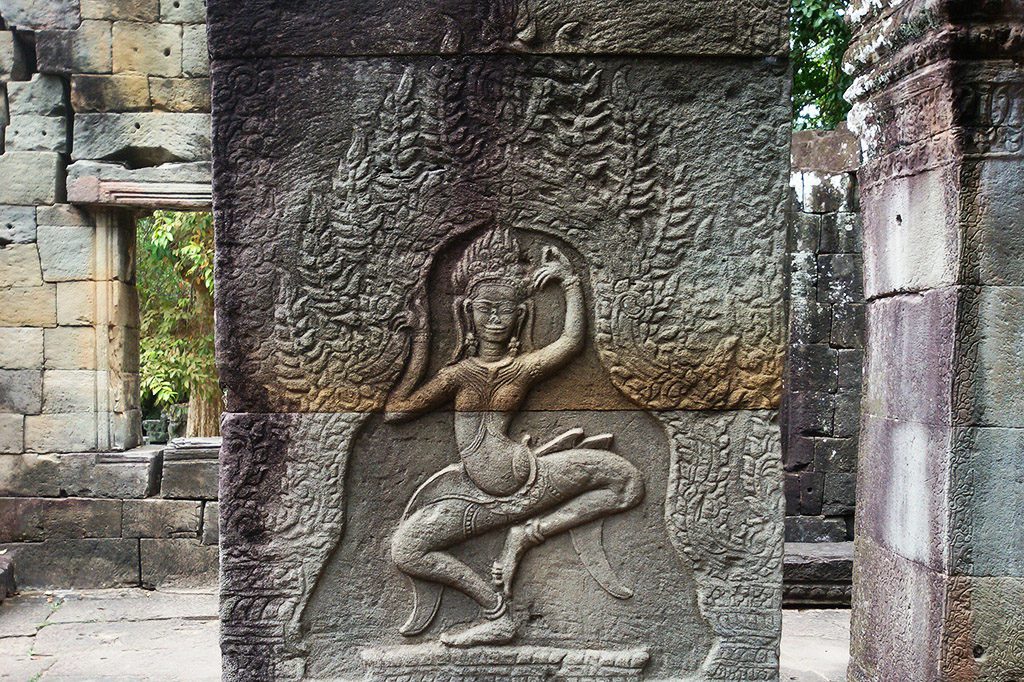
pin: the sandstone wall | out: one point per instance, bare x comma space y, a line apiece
104, 113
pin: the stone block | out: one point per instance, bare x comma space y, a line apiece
110, 93
30, 306
150, 138
86, 49
180, 94
841, 233
803, 490
124, 392
839, 279
805, 232
211, 523
21, 391
33, 519
995, 248
191, 469
847, 325
85, 563
911, 238
835, 455
76, 303
12, 434
21, 348
70, 348
839, 494
39, 14
43, 95
123, 348
161, 519
811, 413
19, 266
818, 562
851, 364
798, 452
195, 58
13, 63
69, 390
125, 429
827, 192
178, 563
124, 305
833, 151
17, 225
8, 585
813, 367
152, 49
810, 322
846, 415
117, 475
901, 502
990, 385
815, 529
195, 172
67, 253
31, 178
72, 432
183, 11
121, 10
62, 215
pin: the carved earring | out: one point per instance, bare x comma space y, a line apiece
513, 346
470, 344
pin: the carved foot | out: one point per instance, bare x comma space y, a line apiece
500, 630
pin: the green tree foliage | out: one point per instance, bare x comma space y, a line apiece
819, 36
175, 282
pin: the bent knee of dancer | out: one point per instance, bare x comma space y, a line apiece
630, 487
408, 551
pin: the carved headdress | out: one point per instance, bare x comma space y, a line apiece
493, 257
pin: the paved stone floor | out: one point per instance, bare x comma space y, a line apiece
133, 634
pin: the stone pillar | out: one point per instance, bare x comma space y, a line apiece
500, 317
939, 570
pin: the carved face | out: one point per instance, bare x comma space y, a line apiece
496, 312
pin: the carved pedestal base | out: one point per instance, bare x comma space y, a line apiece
429, 662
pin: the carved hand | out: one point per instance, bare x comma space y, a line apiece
554, 265
415, 319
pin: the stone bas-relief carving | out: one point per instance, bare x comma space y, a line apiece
349, 191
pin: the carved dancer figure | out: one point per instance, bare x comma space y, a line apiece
567, 484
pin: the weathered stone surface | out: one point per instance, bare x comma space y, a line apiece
183, 11
195, 58
37, 133
803, 492
211, 523
196, 172
63, 215
34, 519
21, 390
161, 519
67, 253
19, 266
31, 178
43, 95
190, 469
76, 303
819, 562
8, 585
70, 348
178, 563
701, 27
839, 494
815, 529
145, 139
110, 93
118, 475
17, 225
30, 306
37, 14
82, 50
69, 390
841, 233
836, 454
153, 49
85, 563
61, 432
13, 64
122, 10
831, 151
21, 348
825, 192
12, 434
180, 94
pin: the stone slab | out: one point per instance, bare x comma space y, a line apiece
30, 306
62, 432
110, 93
70, 390
39, 14
67, 252
148, 48
85, 49
135, 605
180, 94
142, 139
13, 62
22, 617
17, 224
190, 469
34, 519
76, 302
42, 95
183, 11
12, 434
21, 348
63, 215
161, 519
19, 266
178, 562
118, 475
70, 348
32, 178
122, 10
21, 391
276, 28
195, 58
94, 562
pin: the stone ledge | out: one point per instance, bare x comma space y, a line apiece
817, 574
185, 186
